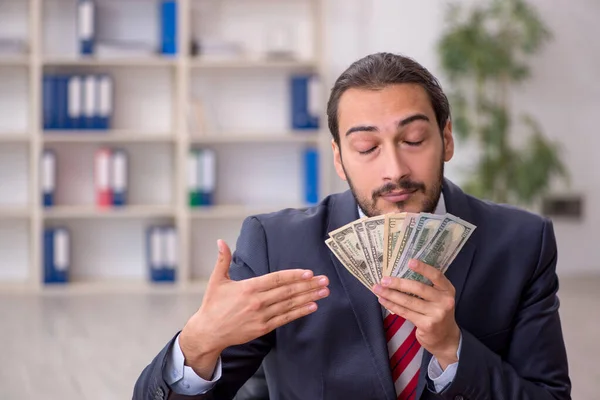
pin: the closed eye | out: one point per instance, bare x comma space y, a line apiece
372, 149
414, 143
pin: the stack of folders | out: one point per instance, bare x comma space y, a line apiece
162, 253
311, 175
306, 104
202, 167
77, 102
57, 255
48, 177
111, 177
87, 27
168, 27
110, 171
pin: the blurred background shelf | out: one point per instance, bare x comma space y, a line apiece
291, 137
236, 211
94, 212
139, 62
233, 64
14, 137
14, 61
107, 137
14, 212
164, 107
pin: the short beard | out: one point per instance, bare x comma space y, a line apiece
429, 204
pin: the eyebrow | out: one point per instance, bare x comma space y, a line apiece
402, 123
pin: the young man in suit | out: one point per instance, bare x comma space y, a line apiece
488, 328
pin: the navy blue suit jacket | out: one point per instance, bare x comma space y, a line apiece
506, 307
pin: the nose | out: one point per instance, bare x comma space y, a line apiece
394, 166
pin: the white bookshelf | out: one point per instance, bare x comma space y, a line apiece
93, 212
108, 137
141, 62
14, 61
216, 64
13, 212
236, 211
246, 121
249, 138
7, 138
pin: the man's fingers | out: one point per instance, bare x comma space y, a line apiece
420, 289
280, 278
412, 316
300, 300
438, 279
406, 301
290, 290
290, 316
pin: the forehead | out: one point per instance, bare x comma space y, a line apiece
362, 106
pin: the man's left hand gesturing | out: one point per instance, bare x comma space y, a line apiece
432, 312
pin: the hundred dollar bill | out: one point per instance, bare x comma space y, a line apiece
349, 245
391, 233
452, 255
408, 226
426, 227
374, 228
363, 241
335, 248
446, 243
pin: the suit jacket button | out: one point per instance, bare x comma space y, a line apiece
159, 394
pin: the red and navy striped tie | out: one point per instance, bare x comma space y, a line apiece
405, 354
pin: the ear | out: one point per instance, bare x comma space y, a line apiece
448, 141
337, 160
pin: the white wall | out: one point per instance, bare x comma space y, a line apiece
563, 95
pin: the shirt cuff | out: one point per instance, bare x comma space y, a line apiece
182, 379
442, 378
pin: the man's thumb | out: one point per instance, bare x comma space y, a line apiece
223, 262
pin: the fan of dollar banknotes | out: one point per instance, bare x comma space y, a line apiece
371, 248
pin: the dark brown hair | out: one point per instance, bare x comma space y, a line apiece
378, 70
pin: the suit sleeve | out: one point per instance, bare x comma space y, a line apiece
535, 367
239, 363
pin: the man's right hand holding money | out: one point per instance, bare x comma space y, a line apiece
236, 312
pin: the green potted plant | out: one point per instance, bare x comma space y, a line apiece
484, 54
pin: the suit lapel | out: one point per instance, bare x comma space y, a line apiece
365, 306
456, 204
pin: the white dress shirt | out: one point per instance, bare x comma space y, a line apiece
183, 380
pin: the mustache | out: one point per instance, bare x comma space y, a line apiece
403, 184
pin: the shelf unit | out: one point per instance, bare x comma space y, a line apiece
148, 62
213, 64
154, 123
16, 61
91, 212
236, 211
240, 138
13, 212
14, 138
108, 137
